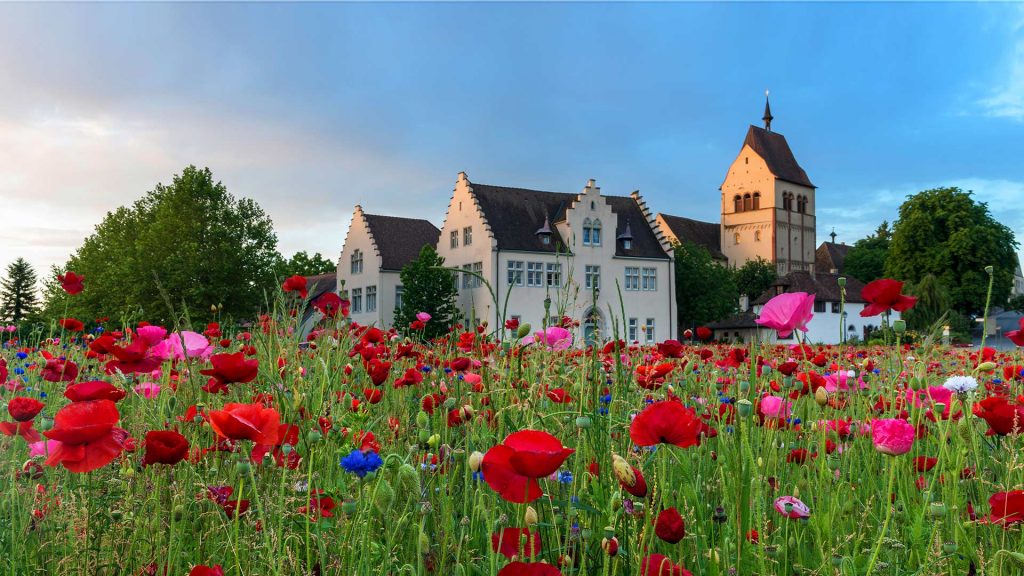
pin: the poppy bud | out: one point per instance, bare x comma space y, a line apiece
821, 396
524, 331
583, 422
313, 436
623, 471
610, 545
466, 412
424, 542
349, 507
408, 479
474, 461
986, 367
422, 419
434, 440
424, 435
530, 517
744, 386
213, 308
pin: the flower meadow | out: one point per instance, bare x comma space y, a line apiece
148, 450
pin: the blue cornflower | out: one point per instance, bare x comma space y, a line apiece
447, 370
606, 399
98, 329
565, 477
19, 371
361, 463
21, 355
427, 369
478, 476
603, 411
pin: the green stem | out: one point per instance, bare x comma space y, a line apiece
888, 516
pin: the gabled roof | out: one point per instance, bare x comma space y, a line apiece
399, 240
706, 234
321, 284
515, 214
830, 256
737, 321
773, 148
825, 287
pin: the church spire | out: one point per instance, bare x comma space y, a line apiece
767, 113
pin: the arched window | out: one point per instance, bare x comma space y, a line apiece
787, 201
357, 262
736, 238
748, 204
595, 232
800, 200
757, 235
737, 202
757, 200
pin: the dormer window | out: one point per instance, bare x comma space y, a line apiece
544, 232
626, 237
546, 239
627, 244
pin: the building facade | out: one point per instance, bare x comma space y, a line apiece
553, 254
375, 251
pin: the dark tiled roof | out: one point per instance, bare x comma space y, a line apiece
773, 147
706, 234
321, 284
825, 287
830, 256
399, 240
741, 320
515, 214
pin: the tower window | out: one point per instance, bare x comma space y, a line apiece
737, 202
757, 200
748, 204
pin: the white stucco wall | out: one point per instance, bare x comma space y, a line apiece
824, 327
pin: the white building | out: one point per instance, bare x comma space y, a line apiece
375, 250
576, 252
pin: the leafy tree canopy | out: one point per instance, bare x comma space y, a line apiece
427, 288
705, 290
946, 233
866, 259
754, 277
303, 264
192, 239
18, 298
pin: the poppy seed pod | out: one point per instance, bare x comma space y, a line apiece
744, 407
841, 281
899, 326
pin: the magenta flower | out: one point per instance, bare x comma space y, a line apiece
787, 312
148, 390
791, 507
196, 346
423, 317
892, 436
554, 338
774, 407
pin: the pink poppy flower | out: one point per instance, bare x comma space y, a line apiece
791, 507
423, 317
892, 436
554, 338
787, 312
775, 407
148, 390
195, 346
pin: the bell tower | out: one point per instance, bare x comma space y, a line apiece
768, 203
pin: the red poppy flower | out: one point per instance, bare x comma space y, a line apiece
203, 570
71, 283
1006, 507
671, 349
72, 324
378, 370
512, 542
670, 526
59, 370
529, 569
704, 333
296, 284
320, 506
24, 409
94, 390
661, 565
924, 463
87, 436
652, 377
883, 295
246, 422
559, 396
511, 468
287, 434
1017, 336
164, 447
666, 422
23, 429
1003, 417
411, 377
329, 304
232, 368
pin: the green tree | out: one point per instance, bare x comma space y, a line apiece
427, 288
190, 243
754, 277
705, 290
945, 232
866, 259
303, 264
18, 298
932, 303
1016, 303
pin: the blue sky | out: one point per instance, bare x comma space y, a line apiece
312, 108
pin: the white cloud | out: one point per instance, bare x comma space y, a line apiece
1007, 100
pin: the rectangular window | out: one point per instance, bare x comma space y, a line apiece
586, 235
835, 307
467, 235
399, 291
516, 317
595, 236
357, 300
649, 331
819, 306
554, 278
593, 277
515, 272
632, 329
371, 298
467, 280
454, 238
632, 278
649, 278
478, 267
534, 273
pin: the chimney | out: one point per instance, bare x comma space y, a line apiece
744, 303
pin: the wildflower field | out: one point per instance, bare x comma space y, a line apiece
141, 449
